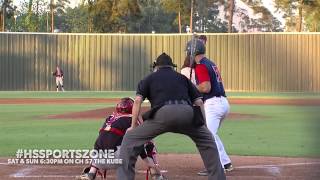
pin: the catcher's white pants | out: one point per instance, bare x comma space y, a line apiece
216, 109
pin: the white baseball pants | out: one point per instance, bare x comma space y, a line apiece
59, 80
216, 109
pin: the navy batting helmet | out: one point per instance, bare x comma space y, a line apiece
199, 49
203, 38
125, 106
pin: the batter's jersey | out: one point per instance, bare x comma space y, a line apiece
206, 70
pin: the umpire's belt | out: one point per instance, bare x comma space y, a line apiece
177, 102
150, 114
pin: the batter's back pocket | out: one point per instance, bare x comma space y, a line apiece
198, 119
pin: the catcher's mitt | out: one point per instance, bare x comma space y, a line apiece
86, 170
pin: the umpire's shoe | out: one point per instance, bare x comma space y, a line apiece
227, 168
203, 173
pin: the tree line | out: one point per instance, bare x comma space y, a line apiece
160, 16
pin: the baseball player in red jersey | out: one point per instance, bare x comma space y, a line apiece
110, 137
59, 78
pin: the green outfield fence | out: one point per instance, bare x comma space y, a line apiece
260, 62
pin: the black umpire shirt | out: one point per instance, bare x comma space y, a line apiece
167, 85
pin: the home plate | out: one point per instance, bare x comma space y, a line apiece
144, 171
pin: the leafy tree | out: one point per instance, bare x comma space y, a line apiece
154, 18
267, 22
114, 15
7, 10
312, 18
288, 8
182, 7
207, 17
58, 9
75, 20
302, 6
33, 16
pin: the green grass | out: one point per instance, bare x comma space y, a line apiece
283, 130
275, 95
67, 94
25, 126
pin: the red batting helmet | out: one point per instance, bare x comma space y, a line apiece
125, 106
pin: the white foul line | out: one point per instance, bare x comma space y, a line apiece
276, 165
23, 173
51, 176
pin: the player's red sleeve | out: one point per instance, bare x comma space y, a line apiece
202, 73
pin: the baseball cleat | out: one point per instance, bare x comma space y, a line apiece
228, 167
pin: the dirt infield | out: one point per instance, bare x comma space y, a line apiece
57, 100
99, 114
252, 101
182, 167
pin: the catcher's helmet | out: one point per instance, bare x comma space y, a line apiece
199, 49
125, 106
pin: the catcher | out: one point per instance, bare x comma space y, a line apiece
110, 137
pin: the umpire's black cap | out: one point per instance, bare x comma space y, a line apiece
164, 60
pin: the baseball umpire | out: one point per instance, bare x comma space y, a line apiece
171, 96
110, 137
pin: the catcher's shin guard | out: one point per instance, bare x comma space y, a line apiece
86, 175
103, 174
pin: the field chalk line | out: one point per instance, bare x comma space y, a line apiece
272, 168
23, 172
275, 165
